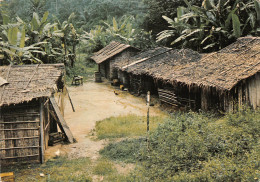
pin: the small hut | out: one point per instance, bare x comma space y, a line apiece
136, 70
106, 57
29, 113
224, 79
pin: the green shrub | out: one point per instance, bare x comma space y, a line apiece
126, 150
193, 147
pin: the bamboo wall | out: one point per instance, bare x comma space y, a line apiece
20, 132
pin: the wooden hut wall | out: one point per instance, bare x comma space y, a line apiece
20, 139
104, 69
148, 84
135, 83
253, 94
179, 95
247, 92
213, 99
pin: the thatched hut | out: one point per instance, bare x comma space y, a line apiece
28, 111
224, 79
135, 70
112, 53
150, 73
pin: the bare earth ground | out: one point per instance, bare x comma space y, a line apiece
94, 102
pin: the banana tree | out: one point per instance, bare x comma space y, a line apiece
211, 26
14, 49
69, 37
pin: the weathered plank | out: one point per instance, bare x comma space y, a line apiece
61, 121
41, 133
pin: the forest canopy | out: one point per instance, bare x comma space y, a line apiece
48, 31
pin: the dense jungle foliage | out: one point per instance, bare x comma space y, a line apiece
49, 31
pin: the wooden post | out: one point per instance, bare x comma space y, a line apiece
70, 100
148, 110
41, 133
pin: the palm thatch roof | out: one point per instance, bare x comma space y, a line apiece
28, 82
142, 56
162, 65
109, 51
223, 69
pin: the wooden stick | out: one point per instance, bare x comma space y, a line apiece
19, 129
32, 77
19, 122
20, 157
70, 100
19, 138
20, 148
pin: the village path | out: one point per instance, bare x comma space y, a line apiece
94, 102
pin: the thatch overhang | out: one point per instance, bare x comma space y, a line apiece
109, 51
162, 66
223, 69
28, 82
122, 64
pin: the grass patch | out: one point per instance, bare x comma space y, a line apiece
61, 169
127, 150
104, 167
126, 126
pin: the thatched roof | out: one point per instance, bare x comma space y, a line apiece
140, 57
109, 51
162, 65
28, 82
223, 69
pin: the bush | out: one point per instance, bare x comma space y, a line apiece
193, 147
126, 150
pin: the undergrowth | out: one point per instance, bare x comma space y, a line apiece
125, 150
196, 147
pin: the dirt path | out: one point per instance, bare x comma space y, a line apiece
94, 102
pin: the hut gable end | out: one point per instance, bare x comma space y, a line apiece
109, 51
28, 82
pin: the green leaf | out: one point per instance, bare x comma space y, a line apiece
22, 41
236, 25
6, 19
45, 17
180, 11
35, 22
115, 26
209, 46
169, 20
12, 36
257, 9
207, 4
228, 20
71, 17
